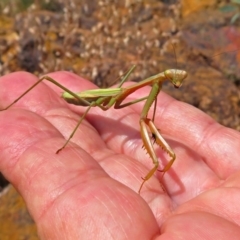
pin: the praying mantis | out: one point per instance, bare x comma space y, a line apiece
114, 97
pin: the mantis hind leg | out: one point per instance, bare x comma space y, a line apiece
47, 78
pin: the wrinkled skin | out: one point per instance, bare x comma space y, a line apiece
89, 190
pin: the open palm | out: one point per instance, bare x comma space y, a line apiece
89, 190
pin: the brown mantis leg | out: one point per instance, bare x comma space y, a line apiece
146, 123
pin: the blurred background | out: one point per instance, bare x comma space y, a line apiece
100, 40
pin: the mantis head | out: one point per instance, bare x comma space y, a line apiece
175, 76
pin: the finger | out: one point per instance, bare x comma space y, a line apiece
39, 99
70, 187
224, 198
199, 225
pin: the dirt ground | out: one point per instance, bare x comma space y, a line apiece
100, 40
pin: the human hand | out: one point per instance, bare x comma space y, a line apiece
89, 190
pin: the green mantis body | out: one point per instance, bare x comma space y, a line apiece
114, 97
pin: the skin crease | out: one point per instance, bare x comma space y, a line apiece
89, 190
